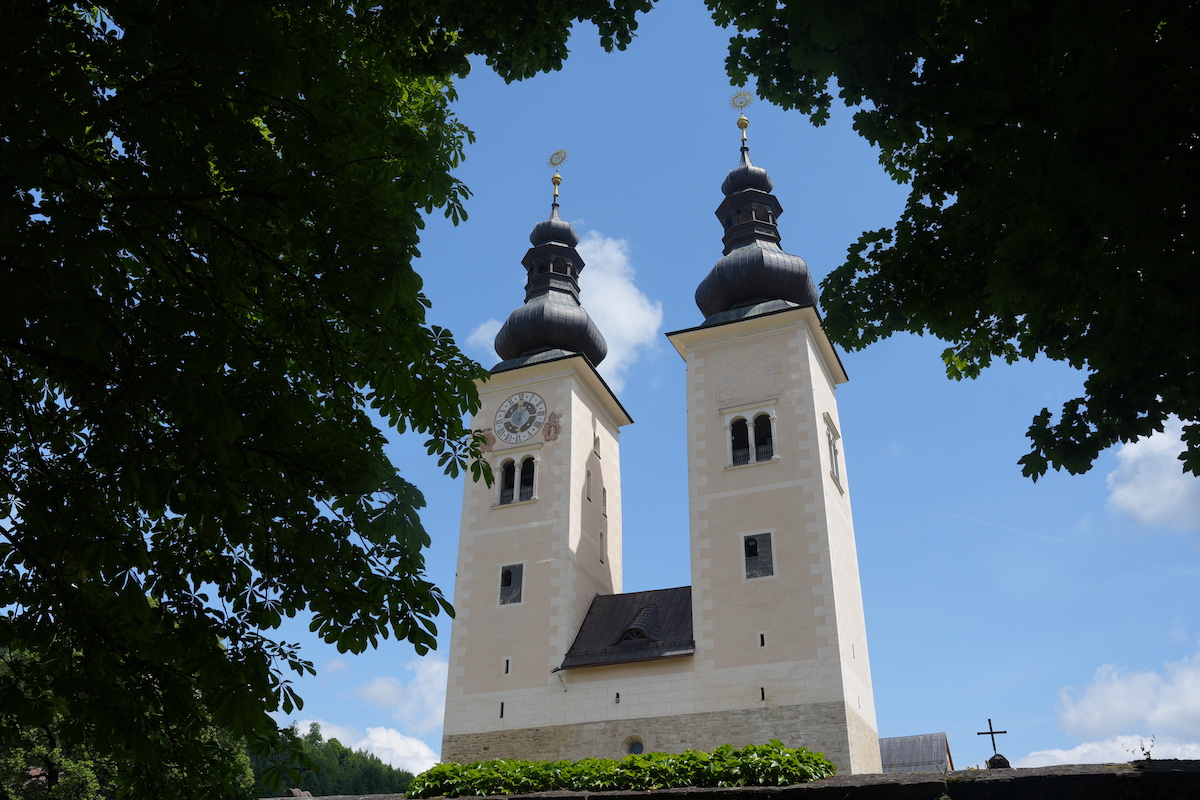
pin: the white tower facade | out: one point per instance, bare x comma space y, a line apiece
549, 659
530, 563
781, 649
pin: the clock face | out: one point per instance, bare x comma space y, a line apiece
520, 417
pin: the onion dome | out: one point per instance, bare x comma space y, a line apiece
755, 276
551, 324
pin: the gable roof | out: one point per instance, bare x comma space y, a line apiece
637, 626
926, 752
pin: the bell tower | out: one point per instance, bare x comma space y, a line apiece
777, 606
538, 545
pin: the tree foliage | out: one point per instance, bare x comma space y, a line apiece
770, 764
208, 218
331, 769
55, 757
1051, 151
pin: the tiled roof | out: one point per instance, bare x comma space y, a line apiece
637, 626
926, 752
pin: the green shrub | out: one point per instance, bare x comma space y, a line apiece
769, 764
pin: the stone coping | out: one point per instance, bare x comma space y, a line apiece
1155, 779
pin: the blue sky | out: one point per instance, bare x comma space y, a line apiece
1064, 610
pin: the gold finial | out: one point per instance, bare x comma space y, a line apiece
738, 102
556, 158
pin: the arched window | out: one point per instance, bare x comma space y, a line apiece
740, 433
508, 479
764, 442
527, 478
751, 547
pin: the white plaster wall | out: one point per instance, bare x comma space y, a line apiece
548, 536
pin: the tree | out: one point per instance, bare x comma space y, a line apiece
334, 769
1051, 150
54, 757
208, 221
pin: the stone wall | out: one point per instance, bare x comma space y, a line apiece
1141, 780
817, 726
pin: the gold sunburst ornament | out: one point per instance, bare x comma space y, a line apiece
556, 158
738, 102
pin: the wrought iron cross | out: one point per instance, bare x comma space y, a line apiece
993, 733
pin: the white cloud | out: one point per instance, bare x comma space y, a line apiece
399, 750
1117, 701
383, 690
628, 319
420, 702
1115, 749
1165, 704
483, 342
1149, 482
334, 666
392, 747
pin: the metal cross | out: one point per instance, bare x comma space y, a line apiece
991, 732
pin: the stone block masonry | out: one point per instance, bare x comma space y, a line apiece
818, 726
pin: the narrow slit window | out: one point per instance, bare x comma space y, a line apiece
758, 555
587, 485
510, 583
527, 468
506, 666
501, 709
604, 501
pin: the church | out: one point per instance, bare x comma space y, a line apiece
549, 658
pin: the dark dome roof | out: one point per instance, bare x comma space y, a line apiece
547, 322
755, 275
551, 324
554, 229
746, 176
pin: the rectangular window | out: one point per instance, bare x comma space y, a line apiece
835, 461
759, 560
510, 583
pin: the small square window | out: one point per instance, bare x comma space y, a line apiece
510, 583
759, 558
